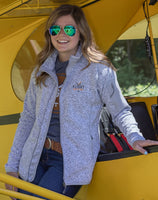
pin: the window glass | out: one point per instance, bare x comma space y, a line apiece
25, 62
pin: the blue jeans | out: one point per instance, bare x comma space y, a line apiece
49, 174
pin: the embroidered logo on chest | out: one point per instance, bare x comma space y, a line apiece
78, 87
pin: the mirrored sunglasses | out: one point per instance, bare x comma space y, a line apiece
69, 30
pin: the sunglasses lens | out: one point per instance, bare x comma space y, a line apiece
70, 30
54, 30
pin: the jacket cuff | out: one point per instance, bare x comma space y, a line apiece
10, 169
134, 137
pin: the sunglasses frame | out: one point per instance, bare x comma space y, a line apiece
70, 26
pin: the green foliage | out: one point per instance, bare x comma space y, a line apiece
134, 69
152, 90
127, 74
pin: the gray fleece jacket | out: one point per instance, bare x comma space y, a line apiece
82, 96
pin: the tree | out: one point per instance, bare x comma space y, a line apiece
134, 67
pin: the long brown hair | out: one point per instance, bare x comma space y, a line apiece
89, 48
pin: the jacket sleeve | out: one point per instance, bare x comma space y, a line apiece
25, 125
117, 105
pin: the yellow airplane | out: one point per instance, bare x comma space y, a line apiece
117, 176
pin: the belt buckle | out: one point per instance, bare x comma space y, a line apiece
50, 143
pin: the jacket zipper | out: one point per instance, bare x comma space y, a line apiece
42, 148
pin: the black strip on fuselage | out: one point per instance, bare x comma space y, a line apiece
9, 119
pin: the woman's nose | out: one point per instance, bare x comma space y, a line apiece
62, 32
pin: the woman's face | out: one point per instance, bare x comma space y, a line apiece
66, 45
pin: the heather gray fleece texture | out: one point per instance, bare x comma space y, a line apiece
82, 96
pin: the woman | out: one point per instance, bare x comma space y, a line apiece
71, 73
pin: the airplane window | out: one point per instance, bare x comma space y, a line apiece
25, 62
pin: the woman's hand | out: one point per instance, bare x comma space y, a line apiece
10, 187
139, 144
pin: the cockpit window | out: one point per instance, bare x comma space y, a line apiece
135, 70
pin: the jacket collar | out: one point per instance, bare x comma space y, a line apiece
49, 64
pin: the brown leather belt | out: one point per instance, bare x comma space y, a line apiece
51, 144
